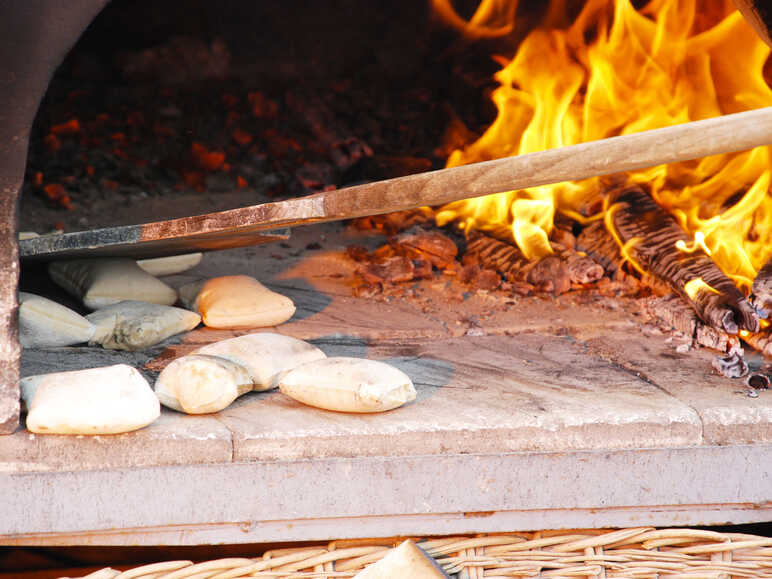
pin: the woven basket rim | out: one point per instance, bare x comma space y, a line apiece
639, 552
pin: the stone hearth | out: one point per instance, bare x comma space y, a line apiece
531, 413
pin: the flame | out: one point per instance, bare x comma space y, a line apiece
697, 285
616, 70
698, 243
492, 19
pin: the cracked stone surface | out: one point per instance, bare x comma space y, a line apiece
487, 394
728, 414
537, 374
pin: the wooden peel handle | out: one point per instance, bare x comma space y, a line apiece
243, 226
758, 13
725, 134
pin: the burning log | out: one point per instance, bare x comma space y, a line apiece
503, 257
553, 273
432, 246
648, 236
600, 245
675, 313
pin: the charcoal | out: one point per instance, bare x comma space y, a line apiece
758, 381
433, 246
583, 269
550, 274
391, 270
730, 366
597, 242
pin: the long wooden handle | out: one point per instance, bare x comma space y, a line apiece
239, 227
729, 133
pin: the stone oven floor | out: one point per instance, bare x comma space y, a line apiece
531, 413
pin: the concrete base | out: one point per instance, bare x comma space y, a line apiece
383, 497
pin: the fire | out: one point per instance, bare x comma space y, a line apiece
612, 70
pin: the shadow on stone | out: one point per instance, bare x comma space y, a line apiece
307, 299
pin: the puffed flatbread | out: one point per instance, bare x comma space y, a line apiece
199, 384
170, 265
237, 301
101, 282
264, 355
106, 400
348, 385
43, 323
132, 325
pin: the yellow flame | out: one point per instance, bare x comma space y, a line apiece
763, 325
625, 249
616, 70
698, 243
696, 285
494, 18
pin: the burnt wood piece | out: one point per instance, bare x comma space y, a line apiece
549, 274
492, 253
651, 234
676, 313
393, 269
239, 227
673, 312
600, 245
732, 365
761, 290
438, 249
582, 269
553, 273
710, 337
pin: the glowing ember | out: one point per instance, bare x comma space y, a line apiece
614, 70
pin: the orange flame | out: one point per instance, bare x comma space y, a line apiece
616, 70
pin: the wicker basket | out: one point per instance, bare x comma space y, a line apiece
640, 553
